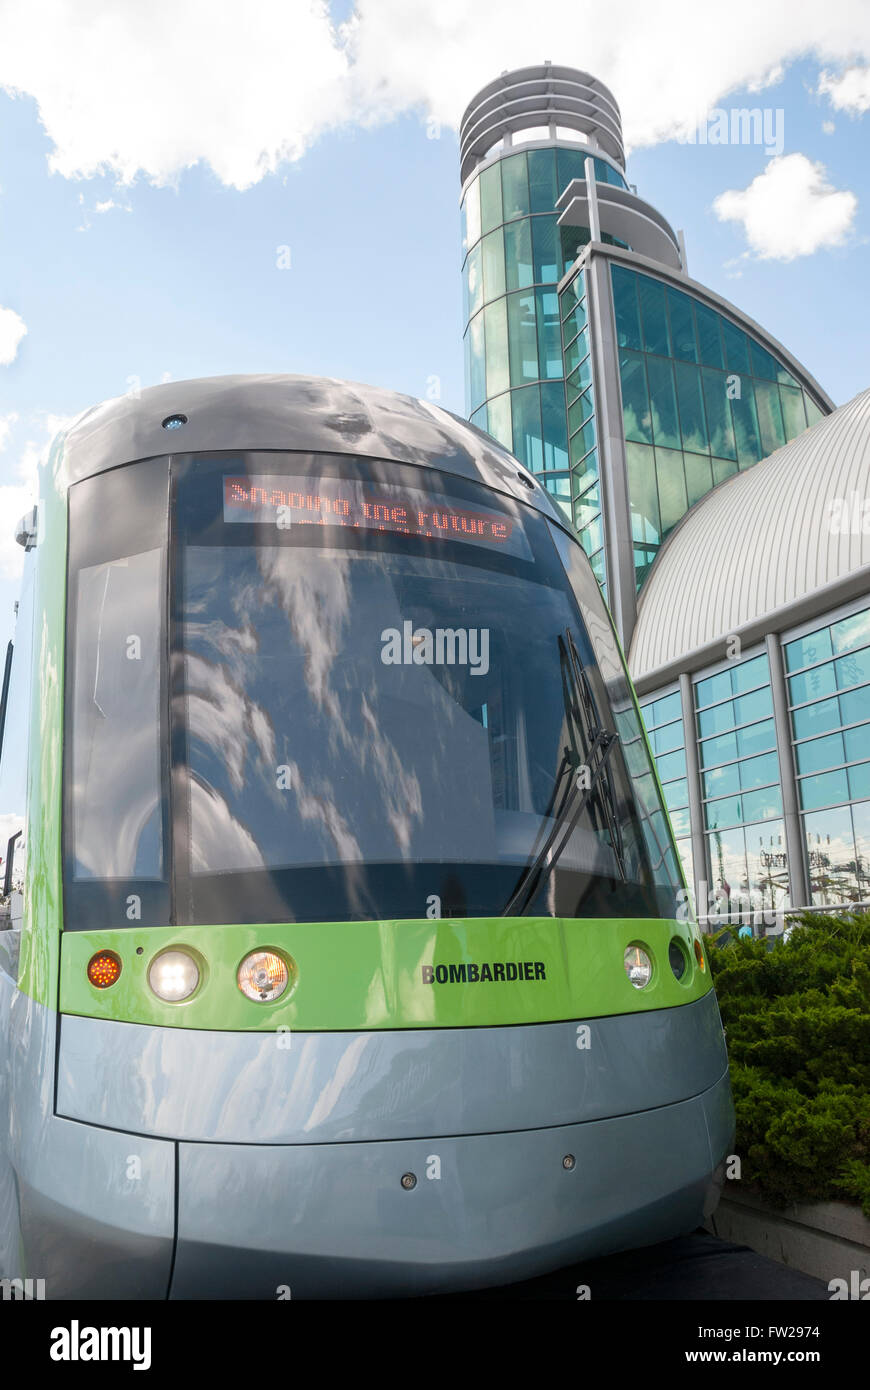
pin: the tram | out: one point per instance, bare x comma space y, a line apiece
344, 948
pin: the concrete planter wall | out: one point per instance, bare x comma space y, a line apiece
826, 1239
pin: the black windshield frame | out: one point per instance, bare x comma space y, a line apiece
327, 891
373, 890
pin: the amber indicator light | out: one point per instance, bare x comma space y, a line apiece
104, 969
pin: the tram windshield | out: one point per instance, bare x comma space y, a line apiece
383, 695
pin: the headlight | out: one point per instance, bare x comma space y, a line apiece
638, 966
173, 976
263, 976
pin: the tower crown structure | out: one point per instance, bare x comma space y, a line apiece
554, 100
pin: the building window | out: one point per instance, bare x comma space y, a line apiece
828, 675
662, 715
741, 791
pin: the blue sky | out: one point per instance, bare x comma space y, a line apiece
182, 280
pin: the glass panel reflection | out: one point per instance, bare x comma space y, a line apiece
115, 763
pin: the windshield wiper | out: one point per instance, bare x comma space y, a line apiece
607, 798
594, 756
573, 804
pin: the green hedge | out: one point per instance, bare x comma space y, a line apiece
797, 1020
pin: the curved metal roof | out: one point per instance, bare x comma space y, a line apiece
307, 414
761, 541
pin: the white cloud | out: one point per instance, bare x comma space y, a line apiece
107, 205
847, 91
12, 330
828, 127
125, 89
7, 422
667, 63
789, 210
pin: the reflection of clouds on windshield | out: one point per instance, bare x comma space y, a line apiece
315, 595
233, 643
319, 806
224, 718
219, 842
316, 598
401, 789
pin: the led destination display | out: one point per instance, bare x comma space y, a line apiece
287, 501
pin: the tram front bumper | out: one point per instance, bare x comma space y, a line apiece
336, 1220
211, 1165
303, 1221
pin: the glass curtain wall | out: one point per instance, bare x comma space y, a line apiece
742, 796
701, 400
582, 486
514, 256
828, 683
828, 674
663, 717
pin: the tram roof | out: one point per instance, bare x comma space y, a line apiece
293, 413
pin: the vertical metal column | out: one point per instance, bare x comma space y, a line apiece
696, 809
798, 875
615, 507
592, 197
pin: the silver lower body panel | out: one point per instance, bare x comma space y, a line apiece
163, 1167
334, 1221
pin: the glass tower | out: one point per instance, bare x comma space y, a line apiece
523, 139
631, 389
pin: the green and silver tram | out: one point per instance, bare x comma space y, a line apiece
343, 949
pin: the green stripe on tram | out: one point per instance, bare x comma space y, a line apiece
400, 974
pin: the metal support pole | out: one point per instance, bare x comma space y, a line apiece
798, 876
592, 198
696, 809
615, 506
